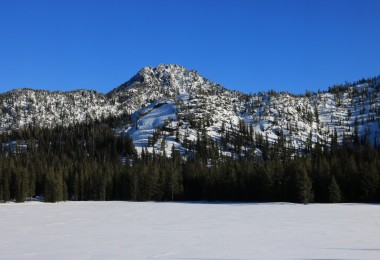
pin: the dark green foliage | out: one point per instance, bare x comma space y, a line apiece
304, 187
334, 191
90, 162
369, 182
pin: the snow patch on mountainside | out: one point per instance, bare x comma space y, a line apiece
148, 119
174, 106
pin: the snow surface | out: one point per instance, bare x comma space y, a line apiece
148, 230
147, 121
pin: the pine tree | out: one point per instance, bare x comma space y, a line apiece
369, 182
304, 186
6, 187
334, 191
1, 181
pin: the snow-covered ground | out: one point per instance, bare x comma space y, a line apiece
128, 230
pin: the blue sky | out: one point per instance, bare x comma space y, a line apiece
245, 45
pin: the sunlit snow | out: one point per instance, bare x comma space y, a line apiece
129, 230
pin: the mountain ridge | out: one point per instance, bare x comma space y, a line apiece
164, 75
170, 104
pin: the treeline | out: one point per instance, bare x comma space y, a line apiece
90, 162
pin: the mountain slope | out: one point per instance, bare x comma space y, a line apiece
172, 106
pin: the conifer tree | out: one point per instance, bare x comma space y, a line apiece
369, 183
304, 186
334, 191
6, 187
1, 182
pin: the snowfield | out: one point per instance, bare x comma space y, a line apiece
148, 230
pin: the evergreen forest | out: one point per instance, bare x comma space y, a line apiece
89, 161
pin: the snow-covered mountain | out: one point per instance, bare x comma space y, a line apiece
173, 106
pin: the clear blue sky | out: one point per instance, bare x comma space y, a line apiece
246, 45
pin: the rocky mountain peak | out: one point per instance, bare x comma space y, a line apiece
172, 76
171, 104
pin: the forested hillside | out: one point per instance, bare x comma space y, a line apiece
173, 105
170, 134
90, 162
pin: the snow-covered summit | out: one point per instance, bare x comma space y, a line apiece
171, 76
171, 106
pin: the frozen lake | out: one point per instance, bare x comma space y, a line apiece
148, 230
